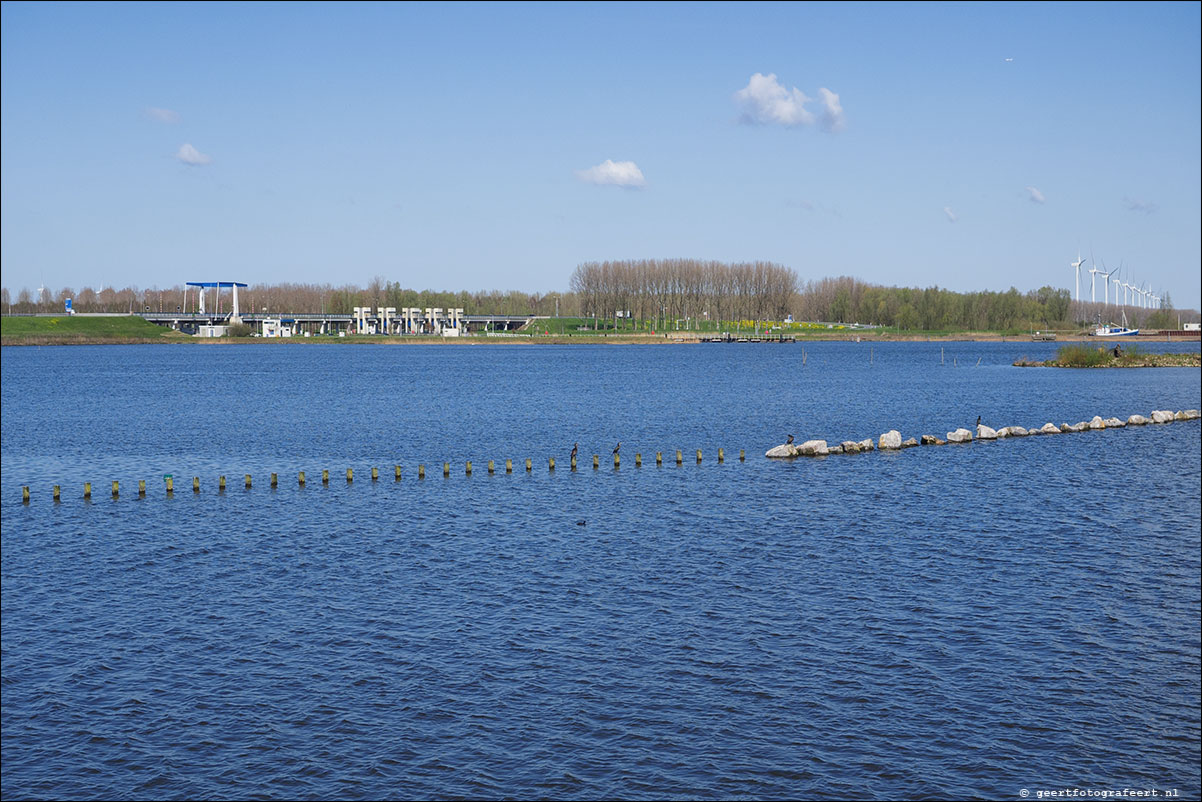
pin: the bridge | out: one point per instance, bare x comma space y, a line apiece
382, 321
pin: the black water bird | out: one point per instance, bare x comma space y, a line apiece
790, 440
574, 450
978, 420
581, 523
618, 446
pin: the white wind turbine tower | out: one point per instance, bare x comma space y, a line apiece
1077, 266
1106, 281
1093, 274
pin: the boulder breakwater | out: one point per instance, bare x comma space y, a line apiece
892, 440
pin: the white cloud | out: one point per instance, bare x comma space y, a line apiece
1136, 205
951, 216
765, 101
163, 115
1034, 195
833, 119
190, 155
620, 174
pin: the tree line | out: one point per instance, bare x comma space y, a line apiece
647, 294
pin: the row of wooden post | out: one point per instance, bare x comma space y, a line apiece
375, 473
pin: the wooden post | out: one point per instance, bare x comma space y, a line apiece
491, 468
170, 485
617, 460
221, 484
398, 473
699, 456
721, 455
551, 464
421, 471
25, 493
469, 467
375, 474
742, 455
529, 465
659, 458
596, 461
638, 460
248, 481
57, 492
141, 487
114, 488
446, 469
325, 476
87, 489
300, 478
509, 466
275, 480
350, 475
195, 484
679, 457
573, 463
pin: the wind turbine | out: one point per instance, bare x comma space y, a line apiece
1106, 281
1077, 266
1093, 274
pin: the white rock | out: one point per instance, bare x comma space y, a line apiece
1161, 416
851, 447
1003, 432
986, 433
781, 451
1137, 420
1096, 422
1189, 414
1017, 431
1050, 428
1114, 423
1075, 427
813, 448
909, 442
890, 440
866, 444
959, 436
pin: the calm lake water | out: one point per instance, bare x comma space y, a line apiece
952, 622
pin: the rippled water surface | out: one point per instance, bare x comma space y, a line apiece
951, 622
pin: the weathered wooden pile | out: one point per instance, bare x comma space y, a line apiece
892, 440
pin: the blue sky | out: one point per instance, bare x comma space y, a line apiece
497, 146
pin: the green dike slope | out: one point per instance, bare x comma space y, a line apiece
78, 329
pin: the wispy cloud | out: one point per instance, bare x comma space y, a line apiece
620, 174
1136, 205
764, 101
162, 115
190, 155
1034, 195
833, 119
951, 216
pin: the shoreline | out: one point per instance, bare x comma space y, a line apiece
617, 339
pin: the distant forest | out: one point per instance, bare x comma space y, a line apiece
647, 293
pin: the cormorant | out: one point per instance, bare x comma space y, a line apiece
619, 445
790, 440
574, 450
978, 420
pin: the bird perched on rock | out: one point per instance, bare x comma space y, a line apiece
978, 420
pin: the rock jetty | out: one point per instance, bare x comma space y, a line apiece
892, 439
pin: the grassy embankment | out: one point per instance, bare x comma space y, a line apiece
1131, 356
79, 330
